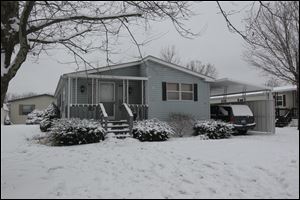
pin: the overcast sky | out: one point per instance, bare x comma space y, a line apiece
216, 45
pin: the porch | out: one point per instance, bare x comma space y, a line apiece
107, 98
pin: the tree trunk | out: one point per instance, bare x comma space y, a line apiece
9, 38
4, 87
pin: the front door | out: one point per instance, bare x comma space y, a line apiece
107, 97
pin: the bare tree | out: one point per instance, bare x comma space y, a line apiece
272, 82
205, 69
29, 28
170, 54
273, 41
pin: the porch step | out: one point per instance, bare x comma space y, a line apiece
117, 126
118, 131
117, 121
122, 136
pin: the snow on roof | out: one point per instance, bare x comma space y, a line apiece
22, 98
285, 88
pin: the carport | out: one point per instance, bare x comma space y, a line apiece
258, 98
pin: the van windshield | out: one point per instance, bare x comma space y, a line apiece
241, 110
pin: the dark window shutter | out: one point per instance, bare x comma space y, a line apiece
284, 101
195, 92
164, 91
20, 109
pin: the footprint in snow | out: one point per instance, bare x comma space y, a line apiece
52, 169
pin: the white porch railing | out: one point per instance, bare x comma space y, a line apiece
140, 111
103, 116
129, 116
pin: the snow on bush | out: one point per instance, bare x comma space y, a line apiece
66, 132
35, 117
52, 112
213, 129
45, 124
151, 130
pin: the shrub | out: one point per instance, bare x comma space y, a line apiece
52, 112
213, 129
66, 132
151, 130
45, 124
35, 117
181, 123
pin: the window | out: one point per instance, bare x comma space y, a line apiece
176, 91
280, 100
173, 92
187, 91
26, 109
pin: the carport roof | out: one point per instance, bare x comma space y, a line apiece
228, 86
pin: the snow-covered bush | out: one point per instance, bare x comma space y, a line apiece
213, 129
66, 132
52, 112
181, 123
35, 117
45, 124
151, 130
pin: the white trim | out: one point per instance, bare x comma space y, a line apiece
69, 94
142, 92
76, 95
108, 77
97, 94
127, 92
123, 88
92, 90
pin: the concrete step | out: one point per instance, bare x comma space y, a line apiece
122, 136
117, 121
118, 131
117, 126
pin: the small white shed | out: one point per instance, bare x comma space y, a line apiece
258, 98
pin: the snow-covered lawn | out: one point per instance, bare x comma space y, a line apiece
254, 166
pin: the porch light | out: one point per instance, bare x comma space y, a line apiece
82, 89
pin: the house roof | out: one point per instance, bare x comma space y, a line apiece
285, 88
23, 98
142, 61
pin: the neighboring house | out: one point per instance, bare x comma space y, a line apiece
4, 113
285, 100
19, 108
149, 88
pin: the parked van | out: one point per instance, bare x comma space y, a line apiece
239, 115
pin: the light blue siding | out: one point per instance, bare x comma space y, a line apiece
160, 109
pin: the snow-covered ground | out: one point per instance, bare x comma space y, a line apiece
253, 166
